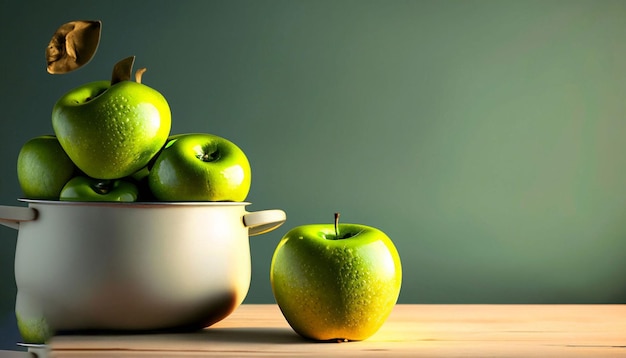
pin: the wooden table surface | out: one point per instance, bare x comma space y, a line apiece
411, 330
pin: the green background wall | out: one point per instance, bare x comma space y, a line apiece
485, 137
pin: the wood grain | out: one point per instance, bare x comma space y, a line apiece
411, 330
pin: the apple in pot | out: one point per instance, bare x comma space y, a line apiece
336, 283
82, 188
112, 129
200, 167
43, 168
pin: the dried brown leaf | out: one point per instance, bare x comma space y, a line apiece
72, 46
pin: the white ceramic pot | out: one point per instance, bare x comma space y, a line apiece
133, 266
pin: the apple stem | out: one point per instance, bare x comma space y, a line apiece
139, 73
337, 225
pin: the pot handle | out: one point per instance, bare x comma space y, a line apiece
11, 216
263, 221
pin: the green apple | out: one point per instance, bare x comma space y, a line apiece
33, 331
43, 168
31, 321
83, 188
140, 179
112, 129
200, 167
336, 283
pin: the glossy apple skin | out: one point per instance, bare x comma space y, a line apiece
43, 168
180, 173
81, 188
336, 289
111, 132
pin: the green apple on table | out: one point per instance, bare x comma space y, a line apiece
82, 188
33, 331
200, 167
31, 321
43, 168
336, 283
112, 129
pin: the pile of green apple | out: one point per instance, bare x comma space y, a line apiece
112, 142
186, 167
